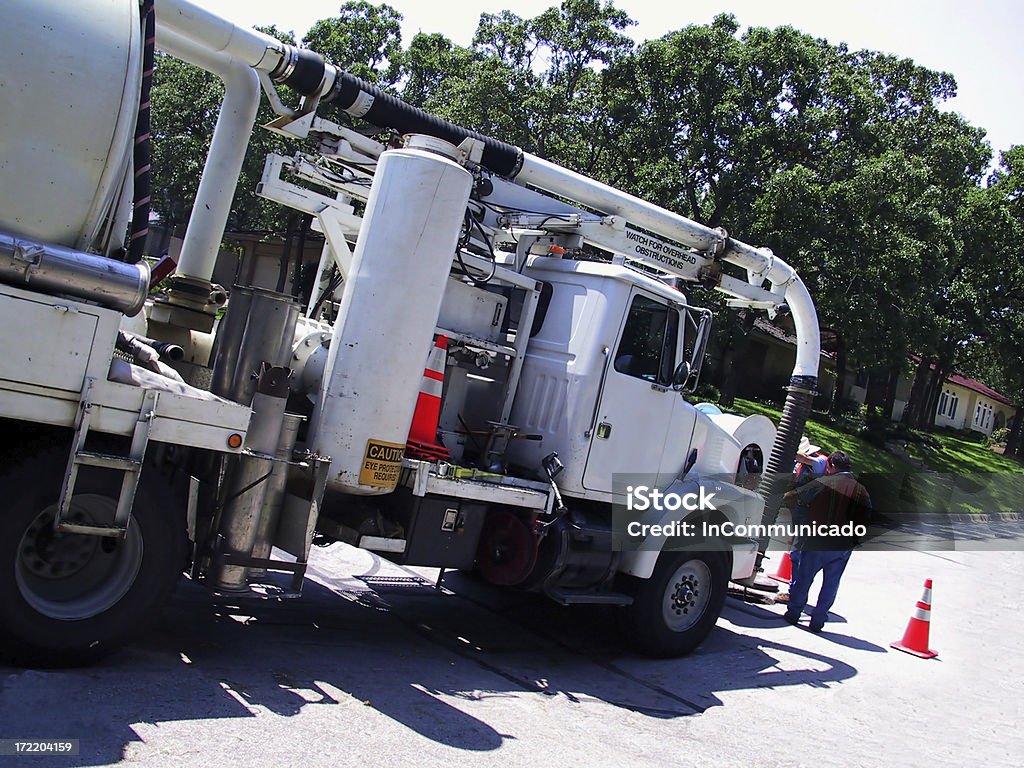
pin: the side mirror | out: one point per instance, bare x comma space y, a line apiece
680, 376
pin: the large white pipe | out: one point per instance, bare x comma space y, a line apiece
227, 149
546, 175
805, 320
387, 316
218, 35
761, 264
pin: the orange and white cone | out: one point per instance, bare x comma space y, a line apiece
423, 432
785, 572
915, 639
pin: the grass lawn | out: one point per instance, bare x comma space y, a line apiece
832, 437
954, 454
951, 483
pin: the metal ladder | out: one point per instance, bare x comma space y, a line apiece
130, 466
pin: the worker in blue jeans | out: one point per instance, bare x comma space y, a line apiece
834, 499
810, 463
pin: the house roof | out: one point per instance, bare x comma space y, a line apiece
770, 329
973, 384
977, 386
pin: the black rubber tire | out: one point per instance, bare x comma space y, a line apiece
41, 637
644, 622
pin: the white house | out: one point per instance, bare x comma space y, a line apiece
968, 404
964, 403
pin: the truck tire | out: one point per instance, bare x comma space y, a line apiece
675, 609
68, 599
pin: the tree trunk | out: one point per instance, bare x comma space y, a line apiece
839, 392
727, 390
889, 400
1015, 440
878, 382
926, 419
300, 251
912, 413
286, 251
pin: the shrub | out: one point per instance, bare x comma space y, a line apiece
998, 437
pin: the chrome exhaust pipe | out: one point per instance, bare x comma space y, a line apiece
56, 270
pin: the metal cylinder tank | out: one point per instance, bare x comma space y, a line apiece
259, 327
387, 317
68, 105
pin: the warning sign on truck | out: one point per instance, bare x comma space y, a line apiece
381, 464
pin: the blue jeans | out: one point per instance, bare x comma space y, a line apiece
805, 568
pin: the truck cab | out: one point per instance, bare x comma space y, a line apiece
605, 375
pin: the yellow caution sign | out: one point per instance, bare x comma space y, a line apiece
381, 464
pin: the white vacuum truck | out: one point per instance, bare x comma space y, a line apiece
495, 347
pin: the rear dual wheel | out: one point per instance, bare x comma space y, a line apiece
67, 598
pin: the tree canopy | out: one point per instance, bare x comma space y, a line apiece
846, 163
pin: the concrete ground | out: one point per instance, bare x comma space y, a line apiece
372, 668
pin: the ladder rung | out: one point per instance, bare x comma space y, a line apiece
92, 530
123, 463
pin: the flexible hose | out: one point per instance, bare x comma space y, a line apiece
779, 472
142, 193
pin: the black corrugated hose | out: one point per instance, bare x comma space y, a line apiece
139, 229
779, 473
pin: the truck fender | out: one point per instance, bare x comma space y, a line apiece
731, 502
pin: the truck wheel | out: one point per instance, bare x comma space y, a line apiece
673, 611
67, 599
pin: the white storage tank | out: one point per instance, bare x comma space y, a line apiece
387, 315
70, 74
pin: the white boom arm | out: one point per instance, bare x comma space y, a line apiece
635, 229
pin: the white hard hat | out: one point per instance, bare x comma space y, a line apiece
806, 447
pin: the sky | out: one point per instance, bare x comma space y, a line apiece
980, 47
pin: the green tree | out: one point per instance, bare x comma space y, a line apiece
535, 83
186, 102
363, 39
843, 163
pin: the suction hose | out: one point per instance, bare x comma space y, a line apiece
779, 472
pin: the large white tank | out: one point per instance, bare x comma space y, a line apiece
70, 74
387, 316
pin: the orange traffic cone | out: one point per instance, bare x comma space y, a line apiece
915, 639
785, 572
423, 441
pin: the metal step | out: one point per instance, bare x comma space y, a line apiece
108, 461
589, 598
113, 532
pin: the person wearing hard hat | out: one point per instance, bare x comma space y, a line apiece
810, 463
835, 500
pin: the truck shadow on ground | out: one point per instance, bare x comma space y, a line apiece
429, 661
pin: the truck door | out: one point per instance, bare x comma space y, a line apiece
636, 403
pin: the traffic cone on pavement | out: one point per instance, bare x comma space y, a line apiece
423, 441
915, 639
785, 572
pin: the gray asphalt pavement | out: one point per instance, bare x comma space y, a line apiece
372, 667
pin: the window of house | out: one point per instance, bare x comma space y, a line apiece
648, 346
948, 403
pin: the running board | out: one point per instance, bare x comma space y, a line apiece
589, 598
